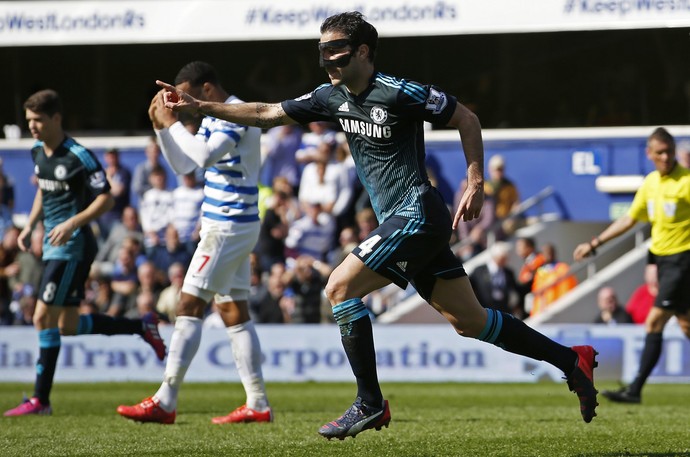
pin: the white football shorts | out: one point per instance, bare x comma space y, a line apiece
221, 260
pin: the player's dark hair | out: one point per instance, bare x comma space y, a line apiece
196, 74
662, 135
356, 28
45, 101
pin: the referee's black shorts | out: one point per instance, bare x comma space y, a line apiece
674, 282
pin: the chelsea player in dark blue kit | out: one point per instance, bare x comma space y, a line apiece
72, 192
382, 117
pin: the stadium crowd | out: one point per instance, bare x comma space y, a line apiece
313, 209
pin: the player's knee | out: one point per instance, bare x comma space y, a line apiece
40, 320
335, 291
189, 307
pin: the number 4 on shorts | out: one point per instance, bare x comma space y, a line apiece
368, 245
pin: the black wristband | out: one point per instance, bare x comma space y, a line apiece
592, 248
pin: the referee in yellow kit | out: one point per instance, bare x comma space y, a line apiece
664, 201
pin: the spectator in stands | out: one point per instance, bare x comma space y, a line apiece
145, 297
347, 241
156, 209
269, 310
9, 249
187, 199
306, 281
127, 227
319, 133
29, 264
642, 299
552, 280
141, 181
366, 222
120, 180
123, 283
5, 209
265, 296
270, 248
610, 310
279, 146
504, 195
170, 296
98, 293
26, 303
312, 234
321, 180
172, 251
145, 303
494, 282
291, 204
663, 200
526, 249
136, 247
6, 189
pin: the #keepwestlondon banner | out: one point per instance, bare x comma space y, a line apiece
40, 23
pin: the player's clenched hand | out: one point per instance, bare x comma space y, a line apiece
470, 205
61, 233
178, 100
160, 117
153, 109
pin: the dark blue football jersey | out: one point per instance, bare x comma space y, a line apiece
69, 180
384, 128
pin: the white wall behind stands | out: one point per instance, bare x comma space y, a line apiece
24, 23
314, 353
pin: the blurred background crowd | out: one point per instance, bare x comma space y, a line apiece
314, 211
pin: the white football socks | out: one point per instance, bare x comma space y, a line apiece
246, 351
183, 346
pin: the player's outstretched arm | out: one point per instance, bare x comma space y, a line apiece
617, 227
262, 115
470, 130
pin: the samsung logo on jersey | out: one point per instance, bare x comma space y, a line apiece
51, 186
365, 128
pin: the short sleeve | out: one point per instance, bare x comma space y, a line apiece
310, 107
426, 102
638, 209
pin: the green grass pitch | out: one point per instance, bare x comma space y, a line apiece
438, 419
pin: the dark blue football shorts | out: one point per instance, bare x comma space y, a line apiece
414, 251
62, 283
